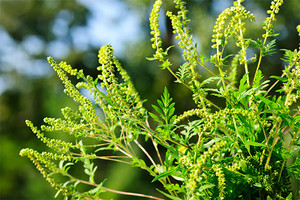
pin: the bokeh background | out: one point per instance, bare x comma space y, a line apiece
73, 31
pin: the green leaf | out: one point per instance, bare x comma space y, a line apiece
87, 172
80, 74
66, 168
258, 77
269, 103
171, 112
61, 164
164, 174
206, 186
209, 80
256, 44
255, 144
166, 109
57, 193
183, 71
96, 81
290, 197
211, 142
169, 196
173, 119
259, 185
289, 55
269, 49
76, 183
157, 109
166, 51
269, 198
282, 79
103, 149
165, 64
155, 118
152, 58
97, 190
243, 83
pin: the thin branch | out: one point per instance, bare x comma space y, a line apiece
114, 191
132, 194
147, 154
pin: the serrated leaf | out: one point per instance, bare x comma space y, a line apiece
173, 119
172, 104
160, 103
166, 93
183, 71
209, 80
157, 109
268, 102
258, 77
256, 44
171, 112
155, 118
269, 49
243, 85
243, 95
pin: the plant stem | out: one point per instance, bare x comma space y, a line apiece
276, 137
146, 153
114, 191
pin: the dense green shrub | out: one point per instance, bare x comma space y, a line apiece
237, 149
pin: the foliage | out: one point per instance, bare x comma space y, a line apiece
236, 150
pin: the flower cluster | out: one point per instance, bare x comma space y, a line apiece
292, 86
221, 180
122, 94
87, 107
58, 145
274, 9
154, 26
209, 150
235, 28
43, 162
197, 170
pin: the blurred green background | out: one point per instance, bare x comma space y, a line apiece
74, 30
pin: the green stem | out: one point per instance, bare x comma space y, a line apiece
276, 137
111, 190
281, 77
243, 49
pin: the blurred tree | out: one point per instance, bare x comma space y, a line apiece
31, 30
28, 29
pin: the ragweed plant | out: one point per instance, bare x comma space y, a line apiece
237, 150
